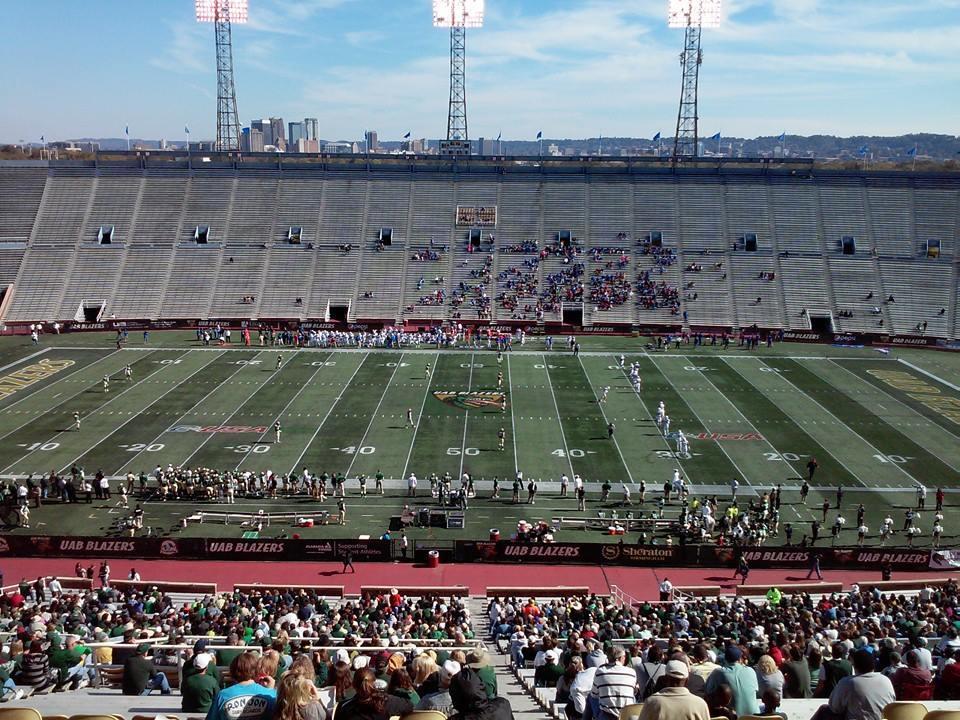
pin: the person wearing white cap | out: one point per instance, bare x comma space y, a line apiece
441, 700
675, 701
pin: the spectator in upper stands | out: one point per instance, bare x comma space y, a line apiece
701, 669
913, 682
550, 672
741, 679
197, 686
614, 687
140, 677
580, 693
297, 699
471, 702
859, 697
675, 701
768, 676
796, 675
440, 699
245, 699
833, 670
479, 660
368, 703
35, 668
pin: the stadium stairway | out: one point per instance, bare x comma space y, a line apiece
508, 685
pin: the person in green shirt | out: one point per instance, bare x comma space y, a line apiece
199, 687
833, 670
70, 663
479, 660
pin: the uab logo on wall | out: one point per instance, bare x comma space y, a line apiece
470, 400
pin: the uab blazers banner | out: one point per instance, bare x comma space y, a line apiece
555, 553
194, 548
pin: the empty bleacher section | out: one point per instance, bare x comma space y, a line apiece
648, 248
20, 192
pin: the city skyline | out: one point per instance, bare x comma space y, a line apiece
569, 68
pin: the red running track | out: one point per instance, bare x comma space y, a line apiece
641, 583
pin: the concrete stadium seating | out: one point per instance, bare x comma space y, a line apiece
50, 217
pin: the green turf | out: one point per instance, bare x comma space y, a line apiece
346, 412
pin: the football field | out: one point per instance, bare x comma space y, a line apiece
878, 425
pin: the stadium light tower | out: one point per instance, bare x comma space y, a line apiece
458, 15
222, 13
692, 16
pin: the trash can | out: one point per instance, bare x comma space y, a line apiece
494, 534
433, 559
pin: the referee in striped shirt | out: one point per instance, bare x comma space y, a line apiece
614, 687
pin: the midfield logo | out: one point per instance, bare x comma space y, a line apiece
471, 400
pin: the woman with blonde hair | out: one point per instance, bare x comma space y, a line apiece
297, 699
768, 676
424, 667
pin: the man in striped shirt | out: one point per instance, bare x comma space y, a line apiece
614, 687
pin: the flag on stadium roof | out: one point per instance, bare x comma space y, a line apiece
863, 150
656, 137
406, 136
540, 135
782, 136
716, 137
912, 151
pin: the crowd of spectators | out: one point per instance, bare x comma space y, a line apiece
734, 657
57, 639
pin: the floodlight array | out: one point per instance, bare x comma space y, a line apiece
233, 10
458, 13
694, 13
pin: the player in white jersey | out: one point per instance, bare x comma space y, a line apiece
409, 417
604, 393
128, 372
683, 445
661, 411
622, 360
677, 481
426, 372
279, 361
666, 425
76, 420
277, 430
106, 383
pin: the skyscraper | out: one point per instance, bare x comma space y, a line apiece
373, 143
296, 131
263, 127
312, 128
277, 133
256, 140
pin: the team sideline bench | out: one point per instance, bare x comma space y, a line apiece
603, 523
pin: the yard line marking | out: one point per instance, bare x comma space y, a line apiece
27, 358
841, 422
257, 388
912, 411
466, 419
701, 421
373, 417
329, 411
796, 424
183, 415
513, 422
286, 407
135, 415
98, 410
58, 380
416, 428
563, 435
604, 414
746, 419
666, 442
929, 375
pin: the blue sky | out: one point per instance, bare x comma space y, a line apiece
573, 68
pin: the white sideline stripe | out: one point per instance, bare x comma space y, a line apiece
929, 375
26, 359
469, 351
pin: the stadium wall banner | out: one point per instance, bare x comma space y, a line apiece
195, 548
506, 551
